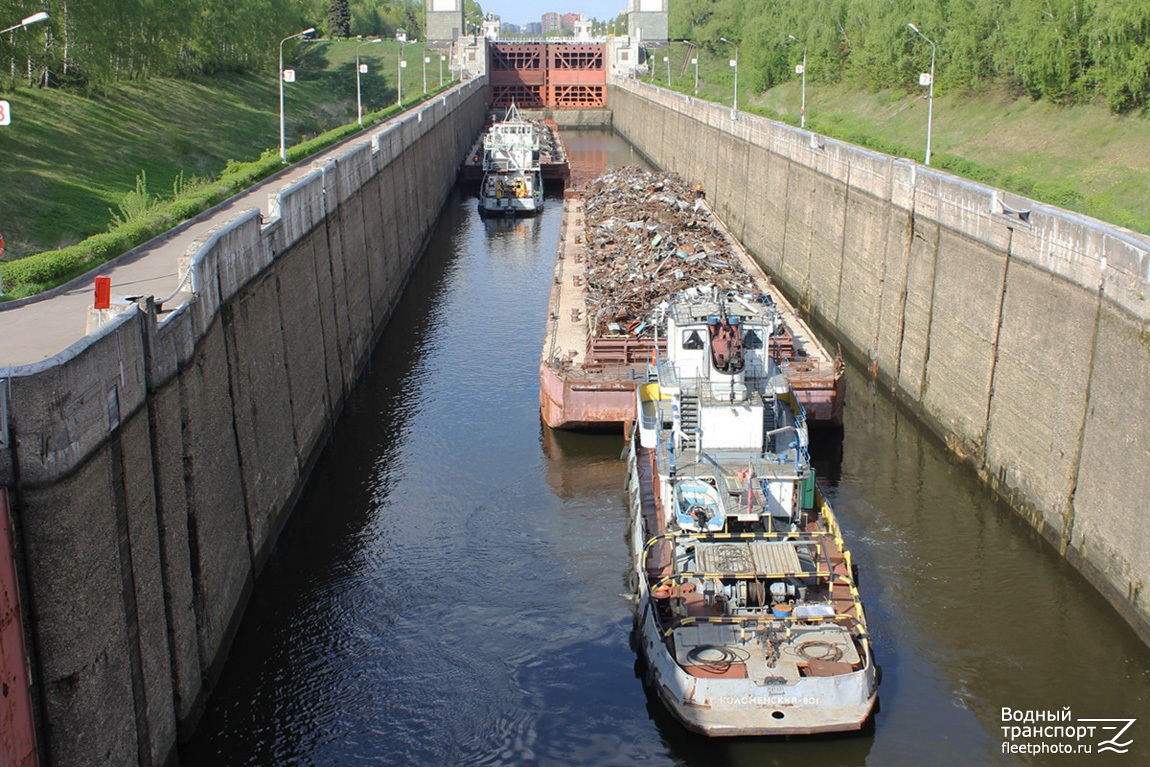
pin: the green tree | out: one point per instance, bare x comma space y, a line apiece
338, 19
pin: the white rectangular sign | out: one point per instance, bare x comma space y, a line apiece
444, 5
924, 79
650, 6
798, 69
5, 116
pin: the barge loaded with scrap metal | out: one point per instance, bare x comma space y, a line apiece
554, 164
630, 240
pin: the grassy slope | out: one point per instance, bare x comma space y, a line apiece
1032, 146
67, 160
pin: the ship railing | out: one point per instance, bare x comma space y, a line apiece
622, 349
762, 620
811, 537
810, 370
824, 568
701, 575
599, 372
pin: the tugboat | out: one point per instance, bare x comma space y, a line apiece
512, 182
749, 613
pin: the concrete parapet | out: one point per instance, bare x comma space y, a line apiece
1015, 329
62, 409
156, 460
300, 206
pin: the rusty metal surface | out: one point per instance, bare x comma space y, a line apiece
634, 238
556, 75
570, 400
17, 732
646, 240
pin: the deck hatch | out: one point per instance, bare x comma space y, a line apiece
748, 557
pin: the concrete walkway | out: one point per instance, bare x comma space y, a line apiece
41, 327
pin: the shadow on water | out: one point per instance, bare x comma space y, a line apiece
453, 587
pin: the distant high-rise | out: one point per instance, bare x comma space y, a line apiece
567, 20
647, 19
532, 28
550, 22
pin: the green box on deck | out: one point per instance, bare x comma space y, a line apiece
809, 490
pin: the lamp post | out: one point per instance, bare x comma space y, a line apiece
667, 61
35, 18
735, 64
283, 147
359, 70
695, 61
930, 97
441, 58
803, 72
399, 65
426, 61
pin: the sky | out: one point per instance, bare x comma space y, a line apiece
523, 11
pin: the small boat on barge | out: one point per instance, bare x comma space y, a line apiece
748, 614
512, 181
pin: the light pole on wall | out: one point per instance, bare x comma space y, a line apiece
441, 58
283, 147
400, 64
667, 61
802, 70
361, 69
734, 63
929, 81
695, 61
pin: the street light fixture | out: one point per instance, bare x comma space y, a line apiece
359, 70
695, 61
930, 82
667, 61
441, 58
735, 64
803, 71
283, 147
35, 18
426, 61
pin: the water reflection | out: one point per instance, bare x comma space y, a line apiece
453, 588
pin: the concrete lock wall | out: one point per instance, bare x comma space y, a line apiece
1016, 330
156, 461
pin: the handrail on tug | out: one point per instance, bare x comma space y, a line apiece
833, 577
734, 620
829, 574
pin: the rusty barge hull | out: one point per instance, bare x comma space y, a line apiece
587, 383
572, 400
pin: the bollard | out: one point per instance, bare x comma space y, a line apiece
103, 292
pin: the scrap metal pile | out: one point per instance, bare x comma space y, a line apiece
647, 239
549, 147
